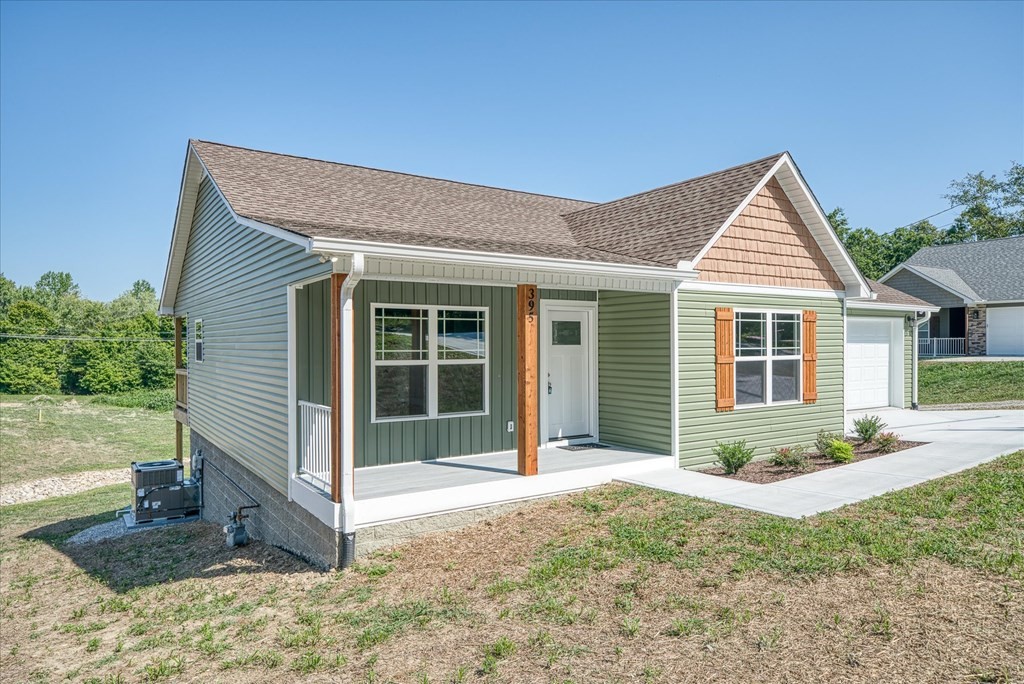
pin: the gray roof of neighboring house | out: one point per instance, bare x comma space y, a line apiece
989, 270
324, 199
890, 295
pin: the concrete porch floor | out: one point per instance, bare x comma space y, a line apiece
387, 494
957, 441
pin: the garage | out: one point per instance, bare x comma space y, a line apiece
870, 363
1005, 332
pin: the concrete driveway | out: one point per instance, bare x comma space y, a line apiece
957, 440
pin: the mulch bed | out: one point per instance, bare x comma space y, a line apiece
763, 472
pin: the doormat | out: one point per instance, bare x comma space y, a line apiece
582, 447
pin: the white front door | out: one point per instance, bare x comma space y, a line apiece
568, 385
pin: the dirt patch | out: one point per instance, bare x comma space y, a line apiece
763, 472
37, 490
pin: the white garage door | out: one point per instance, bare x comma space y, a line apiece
867, 363
1005, 331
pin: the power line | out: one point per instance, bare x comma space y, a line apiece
914, 223
68, 338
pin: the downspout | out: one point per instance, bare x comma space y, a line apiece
674, 370
348, 442
918, 321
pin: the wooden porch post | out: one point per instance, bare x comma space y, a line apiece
527, 324
336, 281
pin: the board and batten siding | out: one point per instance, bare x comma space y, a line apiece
908, 345
235, 279
700, 425
313, 338
634, 370
406, 441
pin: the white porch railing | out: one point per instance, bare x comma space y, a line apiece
941, 346
315, 444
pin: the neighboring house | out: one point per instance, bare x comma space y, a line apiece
352, 331
980, 289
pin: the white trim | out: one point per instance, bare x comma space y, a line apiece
739, 288
1010, 302
788, 170
348, 394
967, 300
198, 337
458, 256
769, 357
673, 328
917, 325
880, 306
546, 308
293, 393
432, 362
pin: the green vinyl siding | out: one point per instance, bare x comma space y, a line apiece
313, 342
700, 425
568, 295
417, 440
908, 346
634, 370
235, 279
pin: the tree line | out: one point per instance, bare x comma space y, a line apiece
54, 340
989, 207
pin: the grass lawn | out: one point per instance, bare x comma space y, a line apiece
77, 434
965, 383
618, 584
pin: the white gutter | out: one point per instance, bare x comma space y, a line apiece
458, 256
858, 304
674, 374
347, 371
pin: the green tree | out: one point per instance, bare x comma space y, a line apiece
993, 206
29, 366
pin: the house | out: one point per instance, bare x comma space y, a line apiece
375, 353
979, 287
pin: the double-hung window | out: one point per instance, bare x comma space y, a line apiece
429, 361
767, 352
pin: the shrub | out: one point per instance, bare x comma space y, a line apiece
733, 455
887, 442
790, 457
154, 400
840, 451
868, 427
824, 439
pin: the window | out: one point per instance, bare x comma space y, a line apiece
417, 374
198, 356
768, 353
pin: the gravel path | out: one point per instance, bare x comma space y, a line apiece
37, 490
1009, 404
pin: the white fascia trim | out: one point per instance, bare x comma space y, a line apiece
458, 256
967, 300
880, 306
172, 274
999, 301
786, 162
739, 288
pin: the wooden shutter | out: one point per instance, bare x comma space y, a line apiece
725, 399
810, 336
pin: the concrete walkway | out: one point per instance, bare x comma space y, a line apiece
957, 441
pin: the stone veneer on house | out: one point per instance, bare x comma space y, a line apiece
976, 331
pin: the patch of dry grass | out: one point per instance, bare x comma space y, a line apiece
618, 584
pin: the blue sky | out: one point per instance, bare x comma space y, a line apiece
881, 104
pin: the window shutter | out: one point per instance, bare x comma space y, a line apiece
725, 399
810, 336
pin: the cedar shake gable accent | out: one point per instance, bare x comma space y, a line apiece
769, 244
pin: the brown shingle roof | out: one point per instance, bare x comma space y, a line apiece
671, 223
330, 200
890, 295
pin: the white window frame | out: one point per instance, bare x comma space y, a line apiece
198, 338
432, 361
769, 357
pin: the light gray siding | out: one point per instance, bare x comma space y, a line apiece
417, 440
917, 286
234, 278
700, 425
634, 370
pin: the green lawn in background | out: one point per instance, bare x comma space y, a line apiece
970, 382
